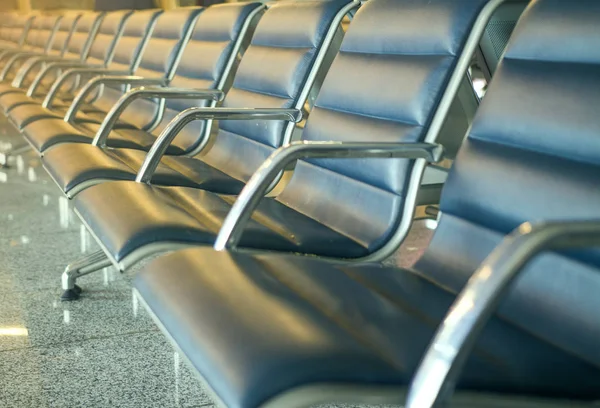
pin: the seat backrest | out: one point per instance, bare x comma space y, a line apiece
40, 35
410, 50
161, 52
533, 155
289, 45
21, 27
108, 36
83, 35
136, 32
63, 33
220, 34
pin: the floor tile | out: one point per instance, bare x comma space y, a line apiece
139, 370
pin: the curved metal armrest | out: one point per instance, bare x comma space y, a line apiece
93, 83
189, 115
14, 58
71, 72
30, 65
149, 92
441, 366
54, 66
257, 186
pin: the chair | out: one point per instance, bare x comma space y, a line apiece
75, 54
251, 88
56, 48
219, 34
39, 38
359, 208
19, 108
283, 330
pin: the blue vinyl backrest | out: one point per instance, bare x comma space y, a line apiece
272, 74
63, 33
204, 59
107, 37
158, 57
83, 35
533, 155
384, 86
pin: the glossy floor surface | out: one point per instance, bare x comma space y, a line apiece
101, 351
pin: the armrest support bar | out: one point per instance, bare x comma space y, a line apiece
255, 189
30, 65
14, 58
149, 92
93, 83
71, 72
189, 115
54, 66
434, 382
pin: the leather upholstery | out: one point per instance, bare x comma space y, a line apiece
214, 37
359, 203
333, 324
160, 53
532, 155
287, 39
126, 216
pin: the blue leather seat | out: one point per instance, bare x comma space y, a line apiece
56, 48
77, 49
291, 46
44, 129
342, 208
215, 36
22, 109
532, 155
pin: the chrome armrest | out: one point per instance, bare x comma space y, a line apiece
29, 66
440, 368
149, 92
11, 61
257, 186
169, 133
71, 72
93, 83
54, 66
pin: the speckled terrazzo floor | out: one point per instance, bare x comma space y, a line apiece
102, 351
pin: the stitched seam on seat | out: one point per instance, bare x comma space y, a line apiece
514, 146
407, 54
340, 323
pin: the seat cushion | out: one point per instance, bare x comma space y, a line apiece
75, 166
330, 323
126, 216
10, 100
49, 132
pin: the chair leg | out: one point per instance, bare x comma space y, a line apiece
91, 263
5, 156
